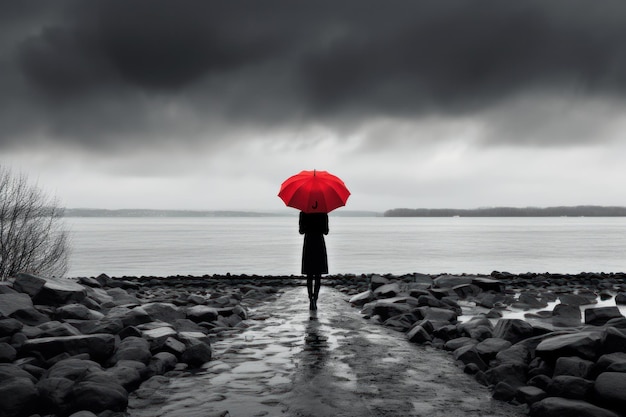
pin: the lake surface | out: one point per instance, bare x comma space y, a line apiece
272, 245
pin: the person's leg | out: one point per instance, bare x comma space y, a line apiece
316, 290
309, 287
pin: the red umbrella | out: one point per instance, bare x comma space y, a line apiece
314, 192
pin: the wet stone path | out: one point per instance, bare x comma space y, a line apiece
288, 363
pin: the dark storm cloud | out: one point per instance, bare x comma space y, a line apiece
100, 71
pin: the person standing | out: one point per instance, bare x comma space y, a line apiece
314, 257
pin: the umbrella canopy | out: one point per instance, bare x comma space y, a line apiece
314, 192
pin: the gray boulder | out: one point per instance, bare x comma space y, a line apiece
468, 355
57, 291
173, 346
121, 297
186, 325
620, 298
490, 300
9, 327
454, 344
385, 309
529, 394
610, 389
78, 312
72, 369
28, 284
563, 407
401, 323
7, 352
428, 300
446, 332
377, 281
600, 315
572, 387
518, 353
157, 335
106, 325
582, 344
104, 280
504, 392
128, 374
30, 316
18, 394
98, 392
564, 315
540, 381
512, 373
197, 354
163, 362
528, 300
513, 330
573, 366
90, 282
166, 312
387, 290
362, 298
481, 332
54, 392
98, 346
11, 303
611, 361
450, 281
437, 314
100, 296
132, 349
129, 316
466, 290
574, 300
488, 284
83, 413
478, 321
419, 334
489, 348
201, 313
613, 340
57, 329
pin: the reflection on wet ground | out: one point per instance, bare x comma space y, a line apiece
335, 363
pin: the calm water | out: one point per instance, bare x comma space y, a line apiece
272, 245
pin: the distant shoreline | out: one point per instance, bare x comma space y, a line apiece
560, 211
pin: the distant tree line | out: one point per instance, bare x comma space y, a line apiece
561, 211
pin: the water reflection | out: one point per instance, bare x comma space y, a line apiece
316, 347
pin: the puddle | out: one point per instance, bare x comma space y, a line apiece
470, 310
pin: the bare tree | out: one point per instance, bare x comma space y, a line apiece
32, 237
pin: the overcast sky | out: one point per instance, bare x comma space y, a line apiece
210, 105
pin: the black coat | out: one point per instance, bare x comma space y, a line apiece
314, 258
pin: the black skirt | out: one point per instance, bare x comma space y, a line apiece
314, 257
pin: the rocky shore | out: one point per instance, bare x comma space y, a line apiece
80, 347
555, 360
